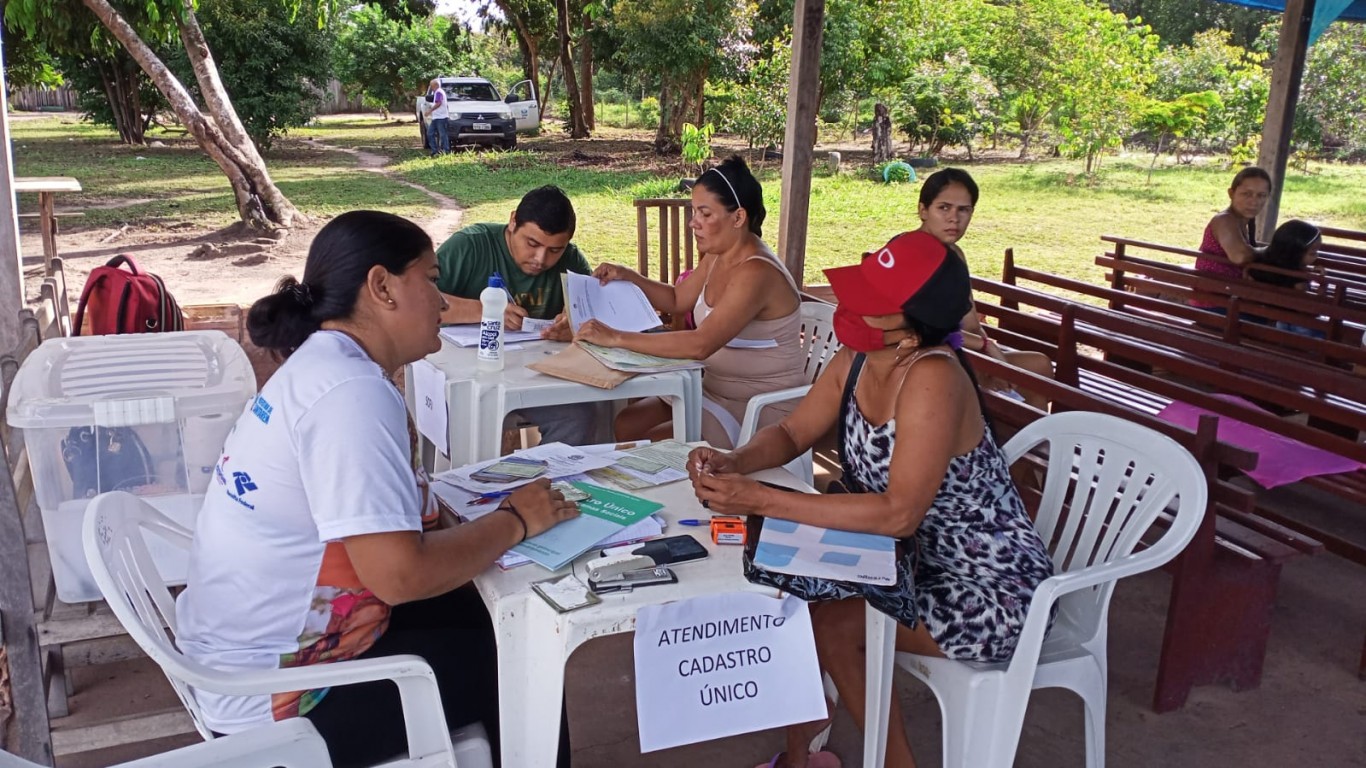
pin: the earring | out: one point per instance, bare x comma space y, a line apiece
391, 302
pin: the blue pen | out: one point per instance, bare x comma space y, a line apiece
484, 498
694, 522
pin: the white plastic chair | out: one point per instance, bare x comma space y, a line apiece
819, 344
1108, 480
293, 743
116, 550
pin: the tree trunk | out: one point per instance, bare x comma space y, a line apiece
679, 101
882, 134
549, 81
259, 203
578, 126
121, 89
590, 117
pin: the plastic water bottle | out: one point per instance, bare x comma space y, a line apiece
494, 302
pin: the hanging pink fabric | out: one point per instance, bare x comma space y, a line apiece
1281, 460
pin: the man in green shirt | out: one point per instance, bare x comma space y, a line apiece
531, 251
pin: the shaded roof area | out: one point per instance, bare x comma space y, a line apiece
1354, 12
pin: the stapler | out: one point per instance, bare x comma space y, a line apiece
612, 566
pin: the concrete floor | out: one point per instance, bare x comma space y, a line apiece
1310, 709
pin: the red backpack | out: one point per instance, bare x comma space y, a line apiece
130, 301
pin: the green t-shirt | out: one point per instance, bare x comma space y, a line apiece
470, 257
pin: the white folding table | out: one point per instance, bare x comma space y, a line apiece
535, 642
479, 401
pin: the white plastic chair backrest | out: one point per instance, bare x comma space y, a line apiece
1096, 506
818, 336
123, 568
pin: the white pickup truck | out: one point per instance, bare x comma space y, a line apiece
478, 115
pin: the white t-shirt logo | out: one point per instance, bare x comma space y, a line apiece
885, 258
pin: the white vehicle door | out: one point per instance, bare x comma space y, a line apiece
526, 111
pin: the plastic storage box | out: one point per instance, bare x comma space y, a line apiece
145, 413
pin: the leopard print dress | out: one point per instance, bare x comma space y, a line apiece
977, 558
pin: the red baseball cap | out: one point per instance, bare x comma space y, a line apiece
913, 274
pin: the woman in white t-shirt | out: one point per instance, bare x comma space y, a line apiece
319, 539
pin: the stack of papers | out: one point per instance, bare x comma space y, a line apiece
626, 361
608, 517
647, 466
618, 304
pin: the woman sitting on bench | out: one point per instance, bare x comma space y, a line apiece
1229, 236
947, 202
744, 302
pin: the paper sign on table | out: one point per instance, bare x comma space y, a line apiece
429, 401
722, 664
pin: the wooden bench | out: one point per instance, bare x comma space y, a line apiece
1344, 250
1162, 349
1230, 328
1224, 584
1325, 278
1330, 315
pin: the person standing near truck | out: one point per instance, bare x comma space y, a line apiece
438, 114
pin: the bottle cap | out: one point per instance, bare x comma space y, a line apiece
495, 280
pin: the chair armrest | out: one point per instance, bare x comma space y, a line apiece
423, 715
750, 424
292, 743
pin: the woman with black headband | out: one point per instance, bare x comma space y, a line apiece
745, 305
944, 489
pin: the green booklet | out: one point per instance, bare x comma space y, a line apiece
603, 513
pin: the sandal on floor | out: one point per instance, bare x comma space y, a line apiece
820, 759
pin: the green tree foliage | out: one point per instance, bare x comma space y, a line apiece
682, 43
1102, 81
758, 111
1211, 62
1332, 109
27, 60
278, 68
389, 62
1182, 118
1178, 22
941, 103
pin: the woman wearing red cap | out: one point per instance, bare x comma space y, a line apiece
745, 304
947, 201
973, 557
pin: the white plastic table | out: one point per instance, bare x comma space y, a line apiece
479, 401
535, 642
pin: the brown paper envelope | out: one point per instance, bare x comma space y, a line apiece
575, 364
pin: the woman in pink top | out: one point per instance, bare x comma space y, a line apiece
1228, 235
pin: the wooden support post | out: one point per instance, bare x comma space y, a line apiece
11, 271
1286, 75
799, 140
48, 219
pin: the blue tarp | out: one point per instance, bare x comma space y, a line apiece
1355, 12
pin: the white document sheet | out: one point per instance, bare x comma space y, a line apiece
468, 335
429, 401
619, 304
722, 664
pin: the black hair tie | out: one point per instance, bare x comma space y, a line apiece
301, 294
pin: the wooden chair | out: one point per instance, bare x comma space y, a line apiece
673, 238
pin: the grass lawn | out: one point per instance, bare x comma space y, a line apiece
153, 186
1047, 211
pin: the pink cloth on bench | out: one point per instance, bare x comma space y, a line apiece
1281, 460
